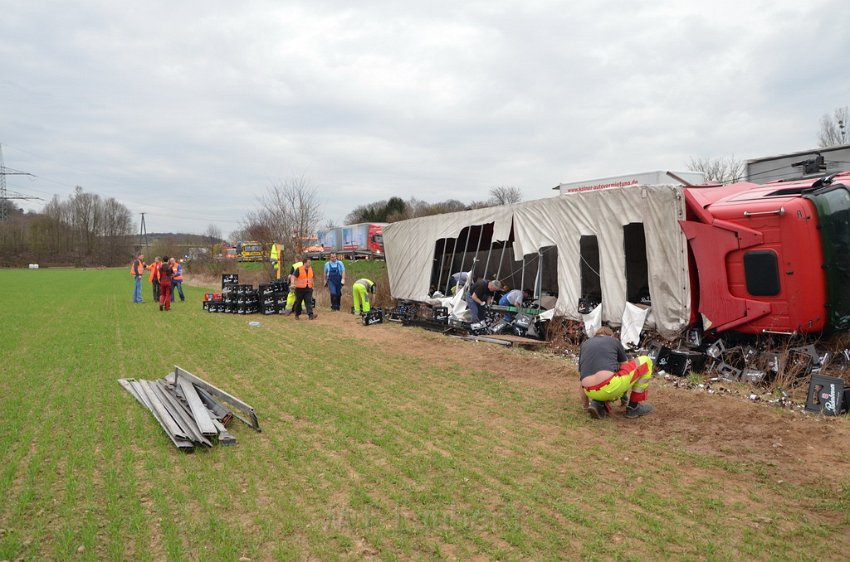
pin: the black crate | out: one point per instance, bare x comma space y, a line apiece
825, 395
266, 290
280, 287
375, 316
229, 279
660, 355
441, 314
680, 362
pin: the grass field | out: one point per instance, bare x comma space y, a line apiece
384, 442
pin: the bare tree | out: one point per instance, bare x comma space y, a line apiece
833, 128
726, 169
86, 229
213, 232
116, 226
290, 212
506, 194
238, 234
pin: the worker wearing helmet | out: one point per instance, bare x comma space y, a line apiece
360, 294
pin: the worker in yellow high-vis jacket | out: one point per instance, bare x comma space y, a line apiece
274, 258
360, 295
290, 298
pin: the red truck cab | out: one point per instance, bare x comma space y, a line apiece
376, 239
771, 258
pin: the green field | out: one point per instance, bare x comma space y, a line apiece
368, 449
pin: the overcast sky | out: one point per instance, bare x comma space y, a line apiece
190, 110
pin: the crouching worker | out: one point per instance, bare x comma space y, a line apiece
606, 375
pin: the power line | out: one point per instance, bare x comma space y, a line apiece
4, 194
161, 210
143, 232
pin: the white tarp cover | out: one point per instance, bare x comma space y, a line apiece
561, 221
634, 318
592, 321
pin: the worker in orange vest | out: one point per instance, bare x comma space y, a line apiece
137, 269
303, 280
154, 278
177, 280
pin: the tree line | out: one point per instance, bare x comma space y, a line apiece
84, 229
397, 209
289, 213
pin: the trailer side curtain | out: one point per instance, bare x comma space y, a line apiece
409, 245
562, 221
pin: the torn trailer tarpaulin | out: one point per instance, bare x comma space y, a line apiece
561, 222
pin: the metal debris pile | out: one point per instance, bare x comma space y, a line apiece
745, 362
716, 385
191, 411
437, 316
781, 366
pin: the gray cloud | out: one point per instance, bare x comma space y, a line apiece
190, 110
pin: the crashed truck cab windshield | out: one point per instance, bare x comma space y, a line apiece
833, 207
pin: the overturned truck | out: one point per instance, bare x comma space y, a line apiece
772, 258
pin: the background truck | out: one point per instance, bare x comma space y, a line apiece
250, 251
364, 240
311, 247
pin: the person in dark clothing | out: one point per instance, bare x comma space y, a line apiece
154, 278
479, 296
165, 273
606, 374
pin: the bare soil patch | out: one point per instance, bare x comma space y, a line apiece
797, 446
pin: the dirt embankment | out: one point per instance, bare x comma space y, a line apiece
801, 447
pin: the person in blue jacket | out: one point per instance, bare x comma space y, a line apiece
513, 298
334, 280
